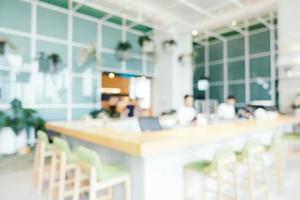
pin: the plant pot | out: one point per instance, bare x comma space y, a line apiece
123, 55
297, 112
169, 48
148, 47
2, 48
44, 65
8, 142
21, 139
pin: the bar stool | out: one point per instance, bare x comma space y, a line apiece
251, 158
276, 150
62, 182
43, 153
224, 162
99, 176
292, 138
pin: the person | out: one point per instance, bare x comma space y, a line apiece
186, 114
226, 110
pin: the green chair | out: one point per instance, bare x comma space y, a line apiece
44, 156
224, 160
102, 177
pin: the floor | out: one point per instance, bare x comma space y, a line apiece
16, 184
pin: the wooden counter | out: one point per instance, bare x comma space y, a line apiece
143, 144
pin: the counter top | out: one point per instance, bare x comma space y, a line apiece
150, 143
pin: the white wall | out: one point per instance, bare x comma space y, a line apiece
172, 79
289, 52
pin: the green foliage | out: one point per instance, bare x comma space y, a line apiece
19, 118
124, 46
112, 113
49, 63
144, 38
170, 42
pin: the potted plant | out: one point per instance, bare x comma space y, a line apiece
20, 124
168, 45
49, 63
6, 42
122, 50
147, 44
296, 105
7, 136
89, 54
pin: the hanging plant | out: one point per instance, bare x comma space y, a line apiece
147, 44
185, 58
49, 63
168, 45
88, 54
6, 42
122, 50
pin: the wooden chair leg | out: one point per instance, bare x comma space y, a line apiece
35, 165
204, 188
265, 181
62, 179
250, 180
128, 189
93, 182
220, 184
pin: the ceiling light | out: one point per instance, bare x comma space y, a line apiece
111, 75
194, 32
233, 23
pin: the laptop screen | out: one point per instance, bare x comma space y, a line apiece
149, 124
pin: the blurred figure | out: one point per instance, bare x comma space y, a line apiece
187, 114
226, 110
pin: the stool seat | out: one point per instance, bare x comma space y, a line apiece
204, 167
104, 171
291, 136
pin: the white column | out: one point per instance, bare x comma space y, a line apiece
172, 79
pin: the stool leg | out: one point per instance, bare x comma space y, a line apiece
128, 189
220, 183
40, 170
35, 164
76, 193
204, 188
250, 178
62, 177
93, 181
52, 176
235, 178
264, 175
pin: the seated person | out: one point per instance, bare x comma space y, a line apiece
226, 110
186, 114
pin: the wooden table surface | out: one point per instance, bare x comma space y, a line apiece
150, 143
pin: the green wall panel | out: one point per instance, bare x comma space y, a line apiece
81, 68
22, 44
135, 65
257, 92
236, 47
133, 40
49, 48
80, 95
260, 67
216, 72
216, 51
15, 14
259, 42
217, 93
236, 70
238, 90
52, 23
80, 113
5, 85
110, 37
109, 60
200, 54
53, 113
199, 73
84, 31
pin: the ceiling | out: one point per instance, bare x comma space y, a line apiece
184, 15
170, 16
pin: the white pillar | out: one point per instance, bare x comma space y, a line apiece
172, 79
289, 52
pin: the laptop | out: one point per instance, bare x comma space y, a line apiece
149, 124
